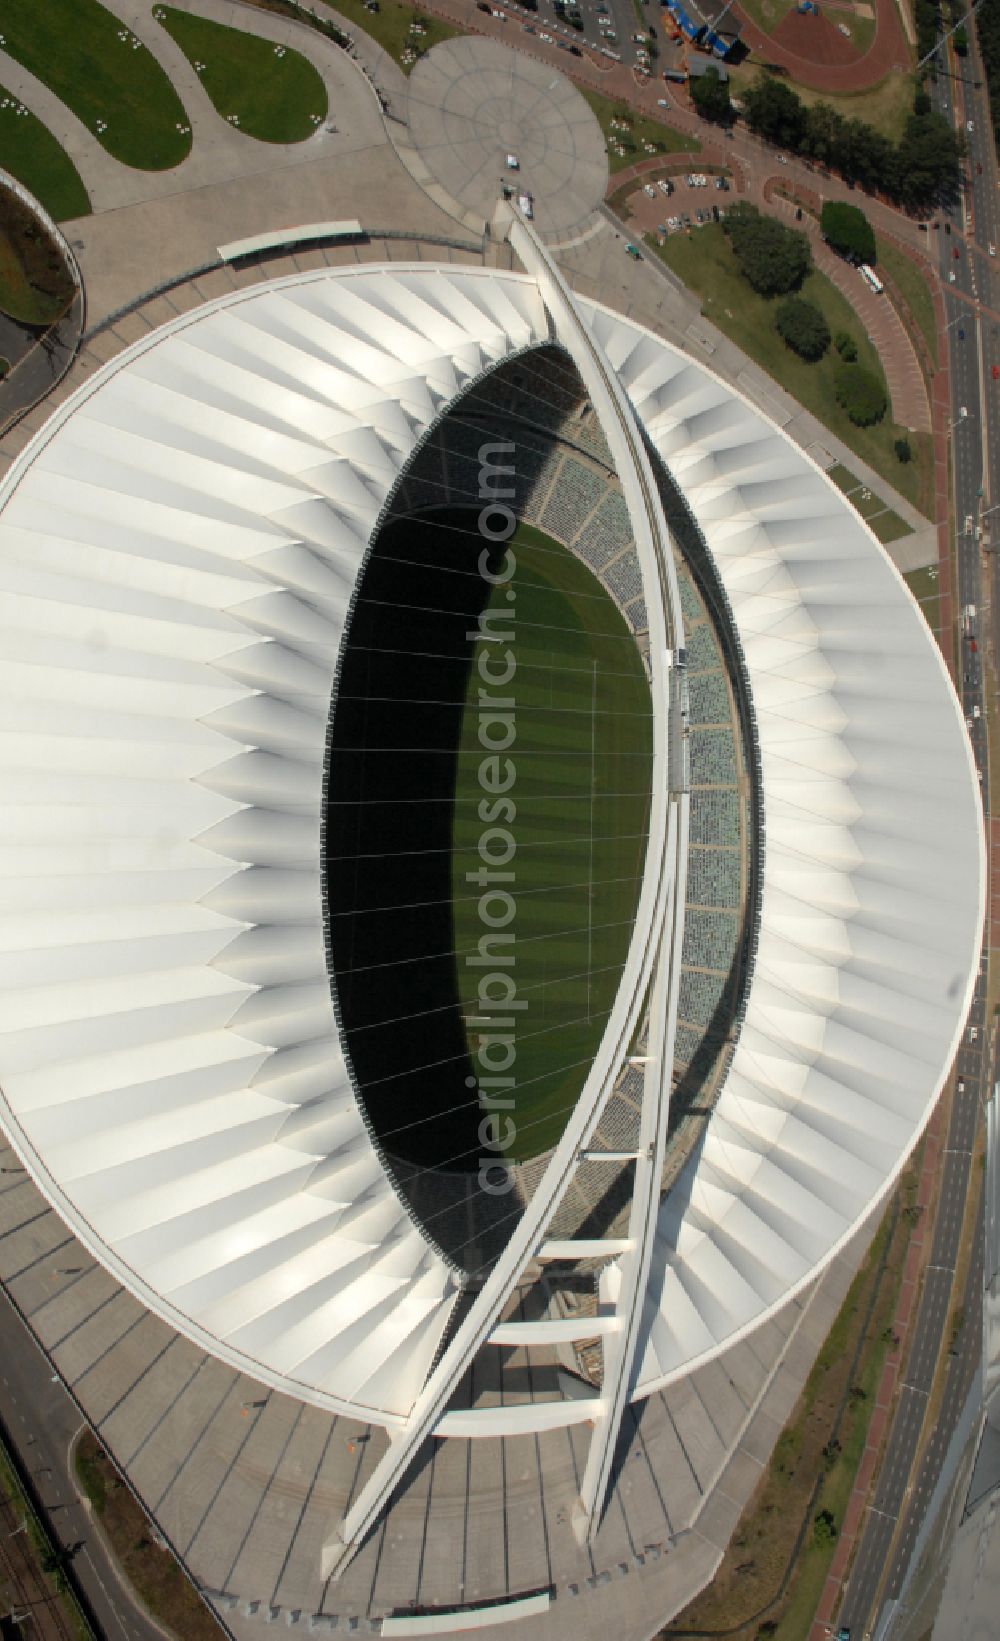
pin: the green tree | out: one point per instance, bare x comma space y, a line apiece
710, 95
824, 1527
773, 110
846, 346
903, 451
928, 161
824, 134
848, 230
802, 328
861, 394
774, 259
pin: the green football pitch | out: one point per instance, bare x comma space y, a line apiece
580, 762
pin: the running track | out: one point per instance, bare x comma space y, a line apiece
887, 51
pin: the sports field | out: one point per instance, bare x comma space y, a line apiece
404, 826
576, 814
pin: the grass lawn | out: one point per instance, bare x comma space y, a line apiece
885, 524
704, 260
926, 589
664, 138
31, 153
121, 94
582, 762
886, 106
276, 98
391, 26
913, 288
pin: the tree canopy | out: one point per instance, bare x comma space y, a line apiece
802, 328
918, 172
987, 26
710, 95
861, 394
774, 259
848, 230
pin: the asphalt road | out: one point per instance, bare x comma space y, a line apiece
42, 1418
904, 1490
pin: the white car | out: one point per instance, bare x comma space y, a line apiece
663, 186
650, 190
973, 1030
513, 163
547, 38
976, 712
661, 102
970, 125
951, 278
524, 201
993, 250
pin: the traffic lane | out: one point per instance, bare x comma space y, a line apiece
962, 1371
873, 1553
42, 1419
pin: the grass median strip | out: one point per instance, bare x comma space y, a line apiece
265, 90
112, 82
913, 288
153, 1571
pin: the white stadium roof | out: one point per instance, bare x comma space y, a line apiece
178, 550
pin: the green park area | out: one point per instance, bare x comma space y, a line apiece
31, 153
705, 261
887, 106
582, 762
636, 135
266, 90
405, 32
110, 81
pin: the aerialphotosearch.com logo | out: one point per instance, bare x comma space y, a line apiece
499, 1007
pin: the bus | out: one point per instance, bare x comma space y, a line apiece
871, 278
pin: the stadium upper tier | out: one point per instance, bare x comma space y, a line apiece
179, 550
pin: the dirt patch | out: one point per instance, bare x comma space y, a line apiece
815, 40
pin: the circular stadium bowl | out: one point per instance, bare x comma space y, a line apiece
179, 548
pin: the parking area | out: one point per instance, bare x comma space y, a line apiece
674, 202
610, 29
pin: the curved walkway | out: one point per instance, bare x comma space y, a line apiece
896, 348
218, 152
